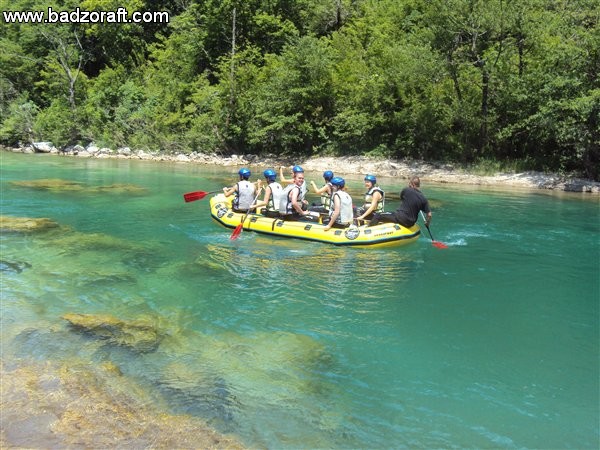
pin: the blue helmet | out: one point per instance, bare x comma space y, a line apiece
270, 174
244, 174
371, 178
296, 169
328, 175
338, 182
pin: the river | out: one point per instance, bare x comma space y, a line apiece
490, 343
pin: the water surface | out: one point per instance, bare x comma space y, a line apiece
493, 342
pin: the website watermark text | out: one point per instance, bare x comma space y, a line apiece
78, 15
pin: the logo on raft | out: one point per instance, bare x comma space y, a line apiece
352, 233
221, 212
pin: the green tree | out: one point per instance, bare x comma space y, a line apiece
294, 100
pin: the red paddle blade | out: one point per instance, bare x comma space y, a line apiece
236, 232
439, 244
192, 196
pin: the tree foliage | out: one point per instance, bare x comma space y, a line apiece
446, 80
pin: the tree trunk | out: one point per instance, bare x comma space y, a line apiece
485, 92
231, 73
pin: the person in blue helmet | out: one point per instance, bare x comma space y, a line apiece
303, 188
290, 201
272, 195
340, 214
325, 192
374, 199
244, 191
412, 203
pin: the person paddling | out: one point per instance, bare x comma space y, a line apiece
273, 192
244, 191
413, 202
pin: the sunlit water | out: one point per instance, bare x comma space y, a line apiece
493, 342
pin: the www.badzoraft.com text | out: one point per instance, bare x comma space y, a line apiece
78, 15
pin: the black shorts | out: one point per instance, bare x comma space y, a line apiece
300, 218
272, 214
336, 225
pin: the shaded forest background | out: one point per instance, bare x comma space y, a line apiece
509, 81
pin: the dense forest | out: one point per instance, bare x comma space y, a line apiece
509, 81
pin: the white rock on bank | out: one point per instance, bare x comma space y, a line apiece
43, 147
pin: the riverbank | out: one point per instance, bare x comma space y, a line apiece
351, 165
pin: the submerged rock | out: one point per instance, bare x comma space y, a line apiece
202, 266
50, 184
141, 335
70, 406
78, 241
143, 256
60, 185
26, 224
274, 365
107, 276
13, 266
122, 189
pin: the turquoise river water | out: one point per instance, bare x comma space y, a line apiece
491, 343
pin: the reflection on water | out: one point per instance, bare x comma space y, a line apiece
277, 264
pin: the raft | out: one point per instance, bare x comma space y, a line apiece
383, 234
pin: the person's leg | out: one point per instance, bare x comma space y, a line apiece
318, 208
357, 211
404, 221
335, 225
382, 217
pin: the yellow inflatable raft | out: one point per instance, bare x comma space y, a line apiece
384, 234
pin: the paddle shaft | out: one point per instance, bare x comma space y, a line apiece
238, 230
433, 241
427, 226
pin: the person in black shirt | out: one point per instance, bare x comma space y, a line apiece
413, 202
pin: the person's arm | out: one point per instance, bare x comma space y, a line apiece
374, 203
335, 214
228, 191
253, 206
265, 200
318, 190
282, 178
297, 206
428, 220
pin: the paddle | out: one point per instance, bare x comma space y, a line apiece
238, 230
196, 195
435, 243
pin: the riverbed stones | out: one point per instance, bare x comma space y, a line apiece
47, 405
70, 186
50, 184
141, 334
26, 224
